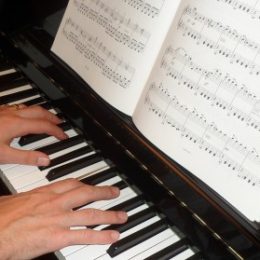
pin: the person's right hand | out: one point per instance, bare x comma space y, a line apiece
38, 222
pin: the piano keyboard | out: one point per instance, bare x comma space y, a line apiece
147, 233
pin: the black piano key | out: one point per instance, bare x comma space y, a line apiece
68, 156
129, 204
73, 166
17, 96
170, 251
133, 220
47, 105
11, 85
126, 206
9, 79
136, 238
120, 185
100, 177
35, 101
31, 138
61, 145
5, 66
60, 115
196, 256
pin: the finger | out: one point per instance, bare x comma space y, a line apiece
90, 236
61, 186
89, 217
38, 126
85, 194
38, 112
12, 155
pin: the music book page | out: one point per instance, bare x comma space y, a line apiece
201, 105
113, 45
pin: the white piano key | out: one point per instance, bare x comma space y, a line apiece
87, 171
101, 203
15, 90
22, 170
92, 169
71, 249
35, 145
35, 175
32, 186
5, 72
110, 181
68, 150
54, 111
138, 209
184, 255
20, 101
45, 141
141, 247
129, 213
120, 199
99, 251
158, 247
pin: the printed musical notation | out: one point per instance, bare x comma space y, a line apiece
194, 127
119, 27
218, 88
221, 39
249, 7
94, 51
150, 8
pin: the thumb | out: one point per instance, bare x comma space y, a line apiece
12, 155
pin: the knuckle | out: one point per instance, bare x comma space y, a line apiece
92, 213
38, 109
30, 157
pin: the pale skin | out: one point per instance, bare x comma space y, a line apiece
40, 221
26, 120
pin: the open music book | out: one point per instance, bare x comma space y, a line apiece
187, 72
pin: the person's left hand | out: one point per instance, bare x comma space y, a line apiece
19, 121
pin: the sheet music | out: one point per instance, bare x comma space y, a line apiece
202, 102
112, 45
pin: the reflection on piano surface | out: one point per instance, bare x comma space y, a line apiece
171, 214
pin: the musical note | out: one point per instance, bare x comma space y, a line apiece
149, 8
207, 136
221, 42
93, 50
219, 89
119, 27
251, 9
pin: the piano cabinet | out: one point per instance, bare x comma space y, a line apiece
212, 227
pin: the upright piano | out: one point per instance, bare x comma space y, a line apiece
206, 226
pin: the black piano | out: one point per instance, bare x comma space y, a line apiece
210, 228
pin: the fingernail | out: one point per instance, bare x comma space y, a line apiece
43, 161
115, 190
114, 235
64, 136
122, 215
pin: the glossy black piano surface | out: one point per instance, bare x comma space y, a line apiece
218, 231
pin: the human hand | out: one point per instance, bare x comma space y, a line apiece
26, 120
38, 222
